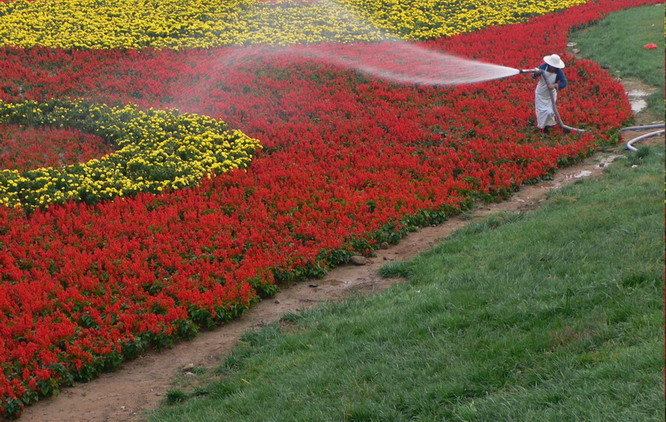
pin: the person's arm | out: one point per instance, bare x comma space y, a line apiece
561, 80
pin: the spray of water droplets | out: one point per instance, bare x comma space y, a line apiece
396, 61
405, 62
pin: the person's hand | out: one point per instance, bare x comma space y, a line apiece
538, 71
552, 86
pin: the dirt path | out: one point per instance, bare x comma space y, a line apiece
122, 396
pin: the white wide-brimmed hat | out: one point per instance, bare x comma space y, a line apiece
554, 60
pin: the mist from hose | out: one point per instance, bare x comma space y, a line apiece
405, 62
395, 61
387, 57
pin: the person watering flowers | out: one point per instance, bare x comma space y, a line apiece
551, 78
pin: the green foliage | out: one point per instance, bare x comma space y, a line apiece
490, 223
396, 269
12, 408
643, 152
264, 288
175, 396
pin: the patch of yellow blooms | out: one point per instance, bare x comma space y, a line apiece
176, 24
158, 150
428, 19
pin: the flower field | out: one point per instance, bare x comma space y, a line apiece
182, 174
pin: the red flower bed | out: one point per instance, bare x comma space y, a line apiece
28, 148
348, 162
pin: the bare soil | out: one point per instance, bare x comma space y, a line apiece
140, 385
638, 92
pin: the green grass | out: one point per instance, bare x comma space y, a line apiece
617, 42
556, 315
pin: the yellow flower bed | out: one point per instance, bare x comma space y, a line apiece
175, 24
158, 150
427, 19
